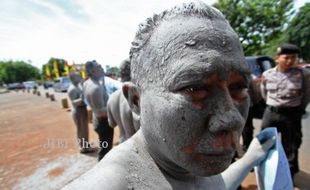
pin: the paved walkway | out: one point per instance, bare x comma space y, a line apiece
38, 148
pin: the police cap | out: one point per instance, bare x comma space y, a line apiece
287, 49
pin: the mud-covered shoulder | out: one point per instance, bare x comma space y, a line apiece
109, 174
127, 166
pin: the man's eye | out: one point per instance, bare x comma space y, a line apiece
238, 91
192, 89
196, 92
237, 87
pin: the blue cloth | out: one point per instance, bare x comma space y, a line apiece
273, 173
112, 85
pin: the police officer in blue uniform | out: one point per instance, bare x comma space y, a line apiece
286, 91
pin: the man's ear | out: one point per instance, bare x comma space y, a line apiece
132, 94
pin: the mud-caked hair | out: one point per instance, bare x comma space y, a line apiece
143, 57
89, 67
72, 75
125, 70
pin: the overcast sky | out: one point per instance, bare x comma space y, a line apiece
75, 30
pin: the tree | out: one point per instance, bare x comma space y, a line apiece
50, 64
257, 22
298, 31
113, 72
17, 71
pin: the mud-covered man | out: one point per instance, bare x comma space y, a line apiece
79, 112
119, 111
189, 87
96, 96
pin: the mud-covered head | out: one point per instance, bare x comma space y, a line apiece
190, 88
94, 69
125, 70
75, 78
150, 52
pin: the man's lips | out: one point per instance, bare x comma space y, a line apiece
226, 153
224, 142
215, 156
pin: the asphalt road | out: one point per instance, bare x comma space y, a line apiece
38, 143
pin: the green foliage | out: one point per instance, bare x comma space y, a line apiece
17, 71
60, 65
113, 71
298, 31
257, 22
271, 48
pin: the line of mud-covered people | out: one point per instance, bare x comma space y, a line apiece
188, 89
109, 107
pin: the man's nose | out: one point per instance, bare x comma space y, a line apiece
291, 60
226, 116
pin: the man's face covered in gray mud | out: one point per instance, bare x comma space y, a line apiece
195, 103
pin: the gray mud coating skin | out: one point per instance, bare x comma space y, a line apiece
125, 70
199, 109
189, 87
94, 91
119, 111
79, 110
120, 114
